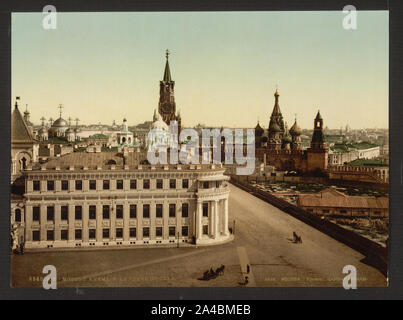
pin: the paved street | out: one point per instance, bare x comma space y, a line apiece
263, 237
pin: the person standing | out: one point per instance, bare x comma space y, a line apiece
22, 247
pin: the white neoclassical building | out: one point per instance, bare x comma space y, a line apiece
111, 199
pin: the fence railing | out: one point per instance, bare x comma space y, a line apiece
376, 255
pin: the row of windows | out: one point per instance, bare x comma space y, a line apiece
50, 184
106, 212
78, 233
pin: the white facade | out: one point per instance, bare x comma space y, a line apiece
339, 158
124, 205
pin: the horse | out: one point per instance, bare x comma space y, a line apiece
220, 270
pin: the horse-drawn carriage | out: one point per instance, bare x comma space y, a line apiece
211, 274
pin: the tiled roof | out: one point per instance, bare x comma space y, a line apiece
335, 199
91, 160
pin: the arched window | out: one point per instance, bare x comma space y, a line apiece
123, 140
17, 216
23, 163
111, 161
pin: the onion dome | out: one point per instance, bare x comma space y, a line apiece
274, 127
259, 130
60, 123
295, 129
287, 138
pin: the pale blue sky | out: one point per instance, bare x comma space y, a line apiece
107, 66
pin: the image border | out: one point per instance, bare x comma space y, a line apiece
394, 290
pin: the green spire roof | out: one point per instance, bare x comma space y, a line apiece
318, 116
167, 73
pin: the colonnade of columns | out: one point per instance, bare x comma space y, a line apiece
217, 220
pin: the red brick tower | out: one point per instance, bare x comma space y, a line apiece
166, 104
318, 152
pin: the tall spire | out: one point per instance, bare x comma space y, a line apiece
167, 72
276, 125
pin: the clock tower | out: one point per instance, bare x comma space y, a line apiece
166, 104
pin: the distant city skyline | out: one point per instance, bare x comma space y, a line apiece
107, 66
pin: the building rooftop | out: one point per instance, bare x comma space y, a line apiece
99, 136
347, 146
81, 161
368, 163
335, 199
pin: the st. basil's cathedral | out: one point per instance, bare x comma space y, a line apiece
282, 148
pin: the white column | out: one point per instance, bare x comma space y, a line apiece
112, 219
126, 219
226, 217
71, 221
85, 218
212, 219
99, 222
216, 220
140, 221
199, 227
57, 222
152, 219
43, 222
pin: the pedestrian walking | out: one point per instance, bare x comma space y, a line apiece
22, 247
